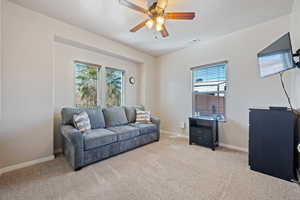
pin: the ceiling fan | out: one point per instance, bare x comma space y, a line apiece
157, 16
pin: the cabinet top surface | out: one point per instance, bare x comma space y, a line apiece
269, 110
203, 118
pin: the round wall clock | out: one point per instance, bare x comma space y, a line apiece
132, 80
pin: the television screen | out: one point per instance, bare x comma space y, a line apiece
277, 57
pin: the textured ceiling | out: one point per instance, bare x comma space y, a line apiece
214, 18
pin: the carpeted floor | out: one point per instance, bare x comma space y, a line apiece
170, 169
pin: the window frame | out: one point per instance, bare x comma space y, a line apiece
102, 85
99, 82
123, 87
226, 63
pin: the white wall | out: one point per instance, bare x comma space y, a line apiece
246, 89
29, 75
295, 28
64, 78
295, 17
1, 51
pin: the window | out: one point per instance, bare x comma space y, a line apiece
87, 84
114, 87
88, 87
209, 87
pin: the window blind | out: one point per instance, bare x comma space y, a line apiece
211, 73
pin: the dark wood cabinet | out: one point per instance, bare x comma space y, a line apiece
273, 139
203, 132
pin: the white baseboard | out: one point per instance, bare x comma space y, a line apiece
233, 147
25, 164
228, 146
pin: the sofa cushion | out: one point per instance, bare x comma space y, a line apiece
131, 112
95, 115
98, 137
125, 132
115, 116
145, 128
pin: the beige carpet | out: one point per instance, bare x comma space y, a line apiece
169, 169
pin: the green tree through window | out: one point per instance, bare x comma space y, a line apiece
114, 92
86, 84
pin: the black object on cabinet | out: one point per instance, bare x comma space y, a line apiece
204, 132
273, 139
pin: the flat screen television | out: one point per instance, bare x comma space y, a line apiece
277, 57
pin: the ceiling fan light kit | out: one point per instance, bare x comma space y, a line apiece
157, 16
150, 23
159, 27
160, 20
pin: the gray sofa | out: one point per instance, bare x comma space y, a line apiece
113, 131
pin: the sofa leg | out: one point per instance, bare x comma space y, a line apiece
78, 169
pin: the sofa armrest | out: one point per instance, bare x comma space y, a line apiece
156, 121
73, 145
73, 135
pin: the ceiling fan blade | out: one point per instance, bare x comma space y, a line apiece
164, 31
139, 26
133, 6
162, 4
180, 15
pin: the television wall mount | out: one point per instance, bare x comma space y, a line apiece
297, 55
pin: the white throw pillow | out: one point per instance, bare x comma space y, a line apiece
82, 121
143, 116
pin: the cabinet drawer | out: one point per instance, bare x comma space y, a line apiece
201, 136
202, 140
201, 131
201, 123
